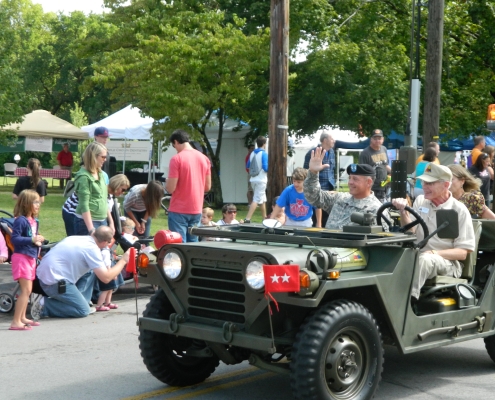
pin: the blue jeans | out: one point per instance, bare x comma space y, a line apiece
138, 215
69, 221
74, 303
181, 222
80, 226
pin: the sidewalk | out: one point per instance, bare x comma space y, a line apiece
7, 285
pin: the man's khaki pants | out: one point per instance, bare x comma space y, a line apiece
431, 265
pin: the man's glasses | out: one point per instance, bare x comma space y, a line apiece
232, 212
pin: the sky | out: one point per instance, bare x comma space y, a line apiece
68, 6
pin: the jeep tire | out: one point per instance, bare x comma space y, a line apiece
490, 346
165, 356
338, 354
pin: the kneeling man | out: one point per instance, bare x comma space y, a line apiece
439, 256
66, 274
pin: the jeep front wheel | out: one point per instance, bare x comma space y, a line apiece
490, 346
338, 354
166, 356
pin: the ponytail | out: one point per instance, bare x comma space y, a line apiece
34, 165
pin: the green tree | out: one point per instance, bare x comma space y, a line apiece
21, 24
189, 66
56, 71
356, 72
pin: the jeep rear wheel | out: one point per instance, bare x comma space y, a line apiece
338, 354
166, 356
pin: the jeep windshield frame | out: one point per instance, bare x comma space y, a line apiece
303, 236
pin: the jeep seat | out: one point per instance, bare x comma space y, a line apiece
469, 264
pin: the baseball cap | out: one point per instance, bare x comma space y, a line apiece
434, 172
361, 169
101, 131
377, 132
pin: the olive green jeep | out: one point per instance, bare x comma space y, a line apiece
354, 298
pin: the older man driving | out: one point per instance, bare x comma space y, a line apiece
359, 199
439, 256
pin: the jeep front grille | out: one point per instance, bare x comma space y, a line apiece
216, 290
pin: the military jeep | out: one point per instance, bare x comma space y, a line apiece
354, 298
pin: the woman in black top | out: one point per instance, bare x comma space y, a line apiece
480, 171
31, 181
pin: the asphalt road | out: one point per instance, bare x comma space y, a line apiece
98, 358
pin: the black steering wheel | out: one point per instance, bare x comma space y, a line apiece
405, 228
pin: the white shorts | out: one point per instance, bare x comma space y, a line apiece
259, 189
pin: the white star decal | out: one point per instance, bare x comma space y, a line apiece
285, 278
275, 278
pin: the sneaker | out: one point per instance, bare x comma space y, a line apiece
37, 308
247, 221
92, 309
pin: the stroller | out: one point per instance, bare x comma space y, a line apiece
7, 300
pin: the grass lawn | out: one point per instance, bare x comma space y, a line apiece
51, 223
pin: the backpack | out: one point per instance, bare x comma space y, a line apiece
254, 166
69, 189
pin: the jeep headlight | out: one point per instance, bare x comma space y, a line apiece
173, 265
254, 274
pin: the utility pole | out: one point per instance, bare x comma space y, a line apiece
433, 76
279, 99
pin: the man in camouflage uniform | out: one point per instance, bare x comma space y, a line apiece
359, 199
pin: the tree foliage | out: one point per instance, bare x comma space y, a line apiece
356, 72
21, 23
187, 64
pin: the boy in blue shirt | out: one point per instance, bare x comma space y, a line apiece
297, 210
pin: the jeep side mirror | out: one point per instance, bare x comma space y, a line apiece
271, 223
451, 231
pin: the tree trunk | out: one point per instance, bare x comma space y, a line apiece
216, 186
433, 76
279, 99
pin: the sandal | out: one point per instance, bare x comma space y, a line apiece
102, 308
111, 306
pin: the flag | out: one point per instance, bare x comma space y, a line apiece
281, 278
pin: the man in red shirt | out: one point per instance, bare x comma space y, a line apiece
65, 160
188, 179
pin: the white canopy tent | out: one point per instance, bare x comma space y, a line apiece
126, 124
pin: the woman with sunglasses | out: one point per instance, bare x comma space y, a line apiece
89, 185
229, 212
480, 170
118, 185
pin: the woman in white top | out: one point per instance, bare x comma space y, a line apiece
229, 212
